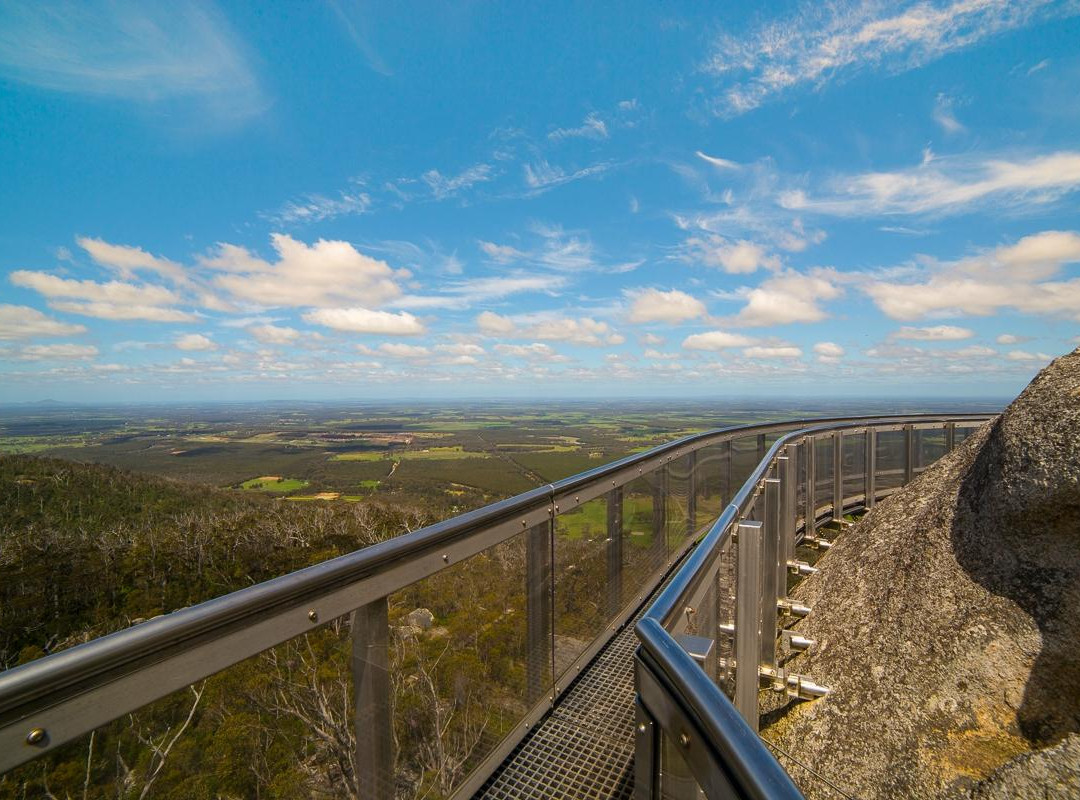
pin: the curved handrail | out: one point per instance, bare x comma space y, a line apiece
278, 607
748, 764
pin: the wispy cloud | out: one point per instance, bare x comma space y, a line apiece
444, 186
592, 127
317, 207
946, 185
826, 42
945, 116
540, 176
143, 52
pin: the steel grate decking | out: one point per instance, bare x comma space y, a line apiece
584, 747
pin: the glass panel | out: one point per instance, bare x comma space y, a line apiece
890, 459
709, 483
744, 457
931, 446
823, 471
677, 524
800, 485
459, 661
854, 465
245, 732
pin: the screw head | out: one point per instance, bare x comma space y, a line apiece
446, 556
313, 615
37, 736
684, 739
641, 727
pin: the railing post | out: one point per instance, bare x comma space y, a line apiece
538, 590
614, 550
691, 493
788, 464
810, 524
760, 447
950, 436
838, 476
372, 713
646, 751
909, 453
871, 468
748, 620
770, 581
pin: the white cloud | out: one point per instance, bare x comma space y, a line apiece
57, 352
460, 349
541, 176
23, 322
532, 352
734, 257
935, 333
722, 163
501, 253
582, 330
127, 260
716, 340
651, 339
819, 43
494, 324
274, 334
654, 305
591, 128
944, 116
364, 320
1013, 277
443, 186
787, 298
327, 273
1008, 338
398, 350
195, 341
767, 351
945, 185
124, 311
91, 291
317, 207
828, 352
1021, 355
148, 53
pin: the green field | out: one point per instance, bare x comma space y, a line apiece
274, 484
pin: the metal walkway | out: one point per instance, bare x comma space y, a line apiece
584, 747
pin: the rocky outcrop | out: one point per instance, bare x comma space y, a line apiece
948, 619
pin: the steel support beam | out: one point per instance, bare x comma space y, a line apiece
838, 476
372, 714
728, 491
771, 590
787, 465
538, 622
909, 453
760, 447
691, 492
810, 526
646, 751
748, 620
870, 491
950, 436
659, 513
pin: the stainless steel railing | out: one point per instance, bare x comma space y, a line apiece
556, 571
710, 640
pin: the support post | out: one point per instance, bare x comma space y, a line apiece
909, 453
760, 447
691, 493
788, 512
838, 476
810, 526
870, 491
646, 751
950, 436
747, 620
771, 591
372, 713
538, 592
614, 551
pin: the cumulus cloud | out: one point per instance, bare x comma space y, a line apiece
772, 351
494, 324
274, 334
576, 330
532, 352
364, 320
944, 185
195, 341
716, 340
127, 260
57, 352
788, 298
734, 257
112, 300
325, 274
654, 305
828, 352
1021, 355
1008, 338
397, 350
935, 333
23, 322
1014, 277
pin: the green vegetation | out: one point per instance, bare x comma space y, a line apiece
274, 484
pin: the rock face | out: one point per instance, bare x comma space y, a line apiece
948, 620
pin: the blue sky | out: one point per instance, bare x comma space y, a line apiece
348, 200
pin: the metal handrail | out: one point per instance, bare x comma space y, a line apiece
746, 767
90, 684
